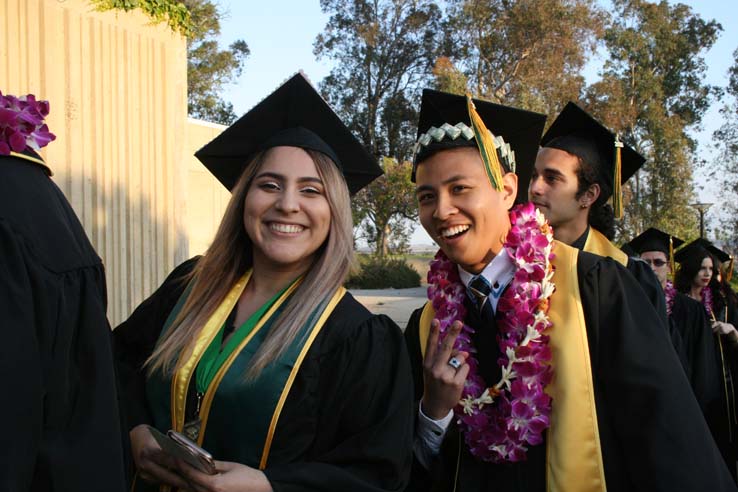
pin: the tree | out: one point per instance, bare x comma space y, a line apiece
384, 50
725, 167
208, 67
386, 209
652, 92
525, 53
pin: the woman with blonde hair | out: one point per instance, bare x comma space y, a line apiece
255, 351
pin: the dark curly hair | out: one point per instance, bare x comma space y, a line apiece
601, 214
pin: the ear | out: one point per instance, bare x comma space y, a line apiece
509, 189
590, 196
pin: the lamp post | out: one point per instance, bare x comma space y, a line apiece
701, 208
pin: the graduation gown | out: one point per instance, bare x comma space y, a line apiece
61, 426
652, 433
347, 421
721, 414
689, 318
649, 284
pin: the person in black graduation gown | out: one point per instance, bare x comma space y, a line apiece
686, 315
299, 388
697, 277
641, 429
61, 426
571, 183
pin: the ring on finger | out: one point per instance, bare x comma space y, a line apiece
454, 362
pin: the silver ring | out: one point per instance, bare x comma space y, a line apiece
454, 362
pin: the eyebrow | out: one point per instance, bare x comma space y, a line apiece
551, 170
457, 177
282, 177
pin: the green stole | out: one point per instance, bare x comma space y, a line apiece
239, 418
573, 456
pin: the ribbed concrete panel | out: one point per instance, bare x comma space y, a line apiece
117, 87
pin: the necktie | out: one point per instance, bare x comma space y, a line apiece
479, 290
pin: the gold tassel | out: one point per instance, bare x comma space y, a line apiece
486, 146
672, 267
729, 272
617, 192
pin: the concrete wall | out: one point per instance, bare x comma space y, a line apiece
117, 88
206, 197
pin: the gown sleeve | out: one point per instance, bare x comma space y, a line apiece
652, 431
134, 340
699, 349
648, 281
364, 432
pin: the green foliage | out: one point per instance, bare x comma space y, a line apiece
383, 51
382, 273
652, 91
208, 67
527, 53
725, 167
385, 210
448, 77
173, 12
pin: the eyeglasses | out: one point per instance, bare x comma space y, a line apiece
657, 263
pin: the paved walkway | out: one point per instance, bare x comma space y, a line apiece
398, 304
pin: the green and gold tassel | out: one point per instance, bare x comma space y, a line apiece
485, 142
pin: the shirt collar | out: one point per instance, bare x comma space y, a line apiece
582, 240
498, 272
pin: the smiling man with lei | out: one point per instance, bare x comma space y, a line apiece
535, 366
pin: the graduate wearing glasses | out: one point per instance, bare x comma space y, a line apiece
686, 315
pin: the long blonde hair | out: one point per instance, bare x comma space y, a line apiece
230, 256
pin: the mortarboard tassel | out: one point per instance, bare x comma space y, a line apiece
617, 192
729, 270
486, 146
671, 256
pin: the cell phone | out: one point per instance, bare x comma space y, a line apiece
180, 446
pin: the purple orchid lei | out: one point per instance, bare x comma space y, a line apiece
499, 422
670, 293
22, 123
706, 295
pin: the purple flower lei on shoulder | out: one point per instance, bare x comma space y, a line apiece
501, 421
22, 124
670, 292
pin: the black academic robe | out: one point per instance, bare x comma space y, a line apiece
347, 422
689, 318
59, 411
652, 433
722, 415
651, 287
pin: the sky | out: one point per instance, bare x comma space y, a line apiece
281, 33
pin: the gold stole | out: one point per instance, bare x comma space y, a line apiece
573, 455
598, 244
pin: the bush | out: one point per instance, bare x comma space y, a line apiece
383, 273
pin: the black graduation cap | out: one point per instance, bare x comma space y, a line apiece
578, 133
655, 240
700, 246
520, 129
296, 115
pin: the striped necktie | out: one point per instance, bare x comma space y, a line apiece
479, 290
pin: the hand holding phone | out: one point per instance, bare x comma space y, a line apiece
179, 446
